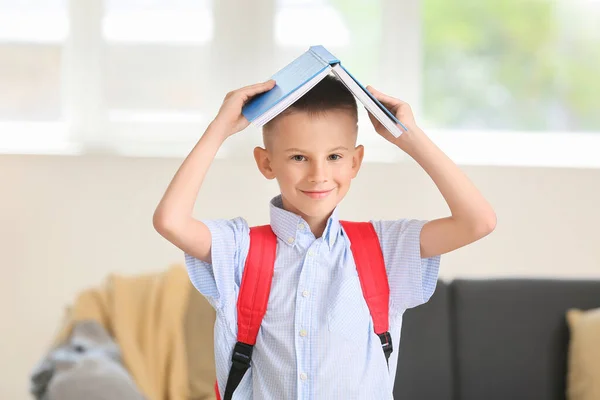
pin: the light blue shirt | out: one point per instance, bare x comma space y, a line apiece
316, 340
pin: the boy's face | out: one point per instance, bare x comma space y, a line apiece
313, 158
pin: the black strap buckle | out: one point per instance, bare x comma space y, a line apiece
386, 344
242, 355
241, 358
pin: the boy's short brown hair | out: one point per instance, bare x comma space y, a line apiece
327, 95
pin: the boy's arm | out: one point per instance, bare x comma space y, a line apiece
472, 216
173, 216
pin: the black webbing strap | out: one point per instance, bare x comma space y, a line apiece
242, 355
386, 345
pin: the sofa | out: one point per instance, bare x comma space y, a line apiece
492, 339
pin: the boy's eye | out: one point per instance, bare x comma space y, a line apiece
298, 157
335, 157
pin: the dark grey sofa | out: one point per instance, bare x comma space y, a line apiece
494, 339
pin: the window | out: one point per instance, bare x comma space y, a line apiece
30, 59
494, 83
154, 62
33, 21
32, 36
516, 65
156, 65
158, 21
513, 82
306, 22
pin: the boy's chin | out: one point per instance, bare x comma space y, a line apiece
317, 208
309, 207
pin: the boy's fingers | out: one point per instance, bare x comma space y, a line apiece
392, 106
257, 88
258, 85
262, 87
384, 98
250, 91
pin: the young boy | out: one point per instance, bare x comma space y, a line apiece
316, 340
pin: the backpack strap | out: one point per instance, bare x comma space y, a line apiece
252, 302
370, 265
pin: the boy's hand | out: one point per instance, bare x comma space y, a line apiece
401, 110
230, 118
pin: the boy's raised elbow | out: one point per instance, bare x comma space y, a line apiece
486, 224
162, 223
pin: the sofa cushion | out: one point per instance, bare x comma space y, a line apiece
424, 359
511, 336
583, 377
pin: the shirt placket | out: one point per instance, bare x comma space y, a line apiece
304, 320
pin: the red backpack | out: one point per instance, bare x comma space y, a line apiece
256, 287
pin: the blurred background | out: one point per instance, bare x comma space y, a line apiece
100, 101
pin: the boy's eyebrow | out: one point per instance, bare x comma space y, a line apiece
297, 150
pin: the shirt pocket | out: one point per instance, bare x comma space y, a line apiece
347, 312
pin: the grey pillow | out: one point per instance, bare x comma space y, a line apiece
92, 378
88, 366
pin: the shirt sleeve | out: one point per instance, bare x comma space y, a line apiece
219, 281
412, 279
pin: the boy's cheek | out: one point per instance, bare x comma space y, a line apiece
346, 173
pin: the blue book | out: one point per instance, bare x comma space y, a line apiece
301, 75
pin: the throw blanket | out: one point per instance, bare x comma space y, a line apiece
145, 316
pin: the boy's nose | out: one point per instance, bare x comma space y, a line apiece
318, 173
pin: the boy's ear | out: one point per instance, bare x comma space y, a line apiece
357, 158
263, 162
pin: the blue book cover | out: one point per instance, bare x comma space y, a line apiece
289, 79
377, 102
296, 78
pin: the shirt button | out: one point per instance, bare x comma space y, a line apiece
303, 376
305, 293
301, 226
311, 253
290, 240
303, 333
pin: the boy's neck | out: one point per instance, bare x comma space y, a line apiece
317, 224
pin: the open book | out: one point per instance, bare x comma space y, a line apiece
301, 75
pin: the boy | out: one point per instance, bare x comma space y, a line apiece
316, 340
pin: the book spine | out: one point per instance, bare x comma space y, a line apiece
323, 55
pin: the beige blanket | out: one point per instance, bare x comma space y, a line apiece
145, 315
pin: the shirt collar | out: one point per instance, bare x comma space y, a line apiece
288, 226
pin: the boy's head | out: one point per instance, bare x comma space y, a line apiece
311, 149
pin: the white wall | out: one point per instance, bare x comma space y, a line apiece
66, 222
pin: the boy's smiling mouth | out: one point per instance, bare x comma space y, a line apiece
317, 194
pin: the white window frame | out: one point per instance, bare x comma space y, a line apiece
87, 128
